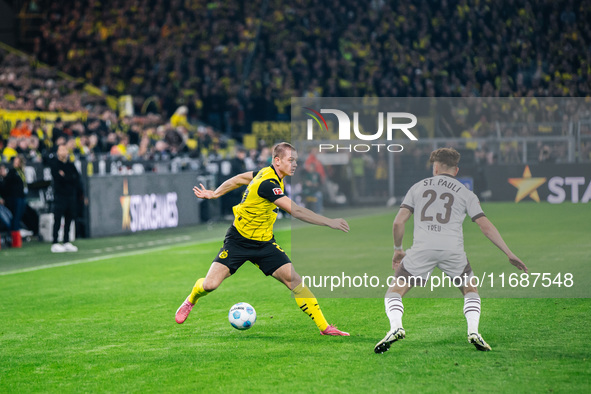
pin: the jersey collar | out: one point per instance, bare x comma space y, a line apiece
451, 176
275, 171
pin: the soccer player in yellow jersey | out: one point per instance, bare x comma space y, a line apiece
250, 237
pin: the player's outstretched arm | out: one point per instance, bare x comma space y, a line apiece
398, 233
491, 232
308, 216
229, 185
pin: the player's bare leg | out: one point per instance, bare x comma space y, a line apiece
394, 311
287, 275
472, 313
215, 276
305, 299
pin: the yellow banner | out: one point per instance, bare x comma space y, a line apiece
125, 106
8, 118
273, 132
13, 116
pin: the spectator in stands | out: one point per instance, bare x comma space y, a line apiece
264, 158
586, 151
23, 146
31, 151
61, 140
111, 143
5, 213
509, 150
73, 152
3, 173
120, 150
175, 138
82, 150
144, 147
316, 164
250, 161
381, 176
20, 130
93, 146
311, 188
545, 155
179, 118
10, 151
40, 131
15, 185
57, 131
161, 151
66, 188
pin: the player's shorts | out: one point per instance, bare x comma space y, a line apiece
266, 255
420, 264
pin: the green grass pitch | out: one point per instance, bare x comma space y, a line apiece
106, 323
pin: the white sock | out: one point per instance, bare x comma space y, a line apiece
394, 310
472, 311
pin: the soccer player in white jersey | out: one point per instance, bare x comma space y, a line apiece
439, 205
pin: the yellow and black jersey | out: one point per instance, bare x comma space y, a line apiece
255, 215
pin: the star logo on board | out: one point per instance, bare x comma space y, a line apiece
527, 186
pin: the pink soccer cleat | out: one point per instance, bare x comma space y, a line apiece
183, 312
332, 330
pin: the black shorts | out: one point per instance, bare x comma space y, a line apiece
266, 255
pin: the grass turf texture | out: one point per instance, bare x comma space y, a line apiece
109, 325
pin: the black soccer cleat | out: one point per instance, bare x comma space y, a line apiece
476, 340
389, 339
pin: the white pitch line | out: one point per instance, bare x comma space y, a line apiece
109, 256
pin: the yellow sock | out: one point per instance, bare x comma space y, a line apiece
197, 291
309, 305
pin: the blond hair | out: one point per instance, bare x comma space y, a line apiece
280, 148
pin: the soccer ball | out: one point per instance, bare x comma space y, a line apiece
242, 316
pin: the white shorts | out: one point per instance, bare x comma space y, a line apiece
420, 263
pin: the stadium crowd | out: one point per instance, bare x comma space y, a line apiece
197, 54
168, 53
172, 54
27, 86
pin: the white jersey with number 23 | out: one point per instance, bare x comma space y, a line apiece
439, 205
